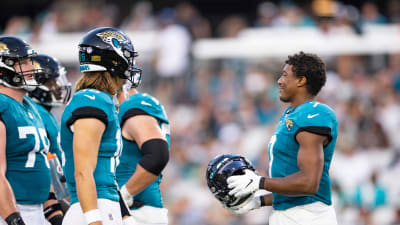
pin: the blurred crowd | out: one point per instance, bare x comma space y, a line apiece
232, 105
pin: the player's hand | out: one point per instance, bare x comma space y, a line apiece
126, 196
242, 185
254, 202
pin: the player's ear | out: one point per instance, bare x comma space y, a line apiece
301, 81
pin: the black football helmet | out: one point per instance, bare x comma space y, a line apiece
55, 89
12, 51
109, 49
219, 170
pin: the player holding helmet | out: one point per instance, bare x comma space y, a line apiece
300, 152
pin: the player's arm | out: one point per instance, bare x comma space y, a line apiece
310, 160
86, 142
8, 209
146, 132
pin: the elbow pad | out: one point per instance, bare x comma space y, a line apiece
155, 155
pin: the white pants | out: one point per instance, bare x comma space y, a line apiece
148, 215
110, 212
31, 214
316, 213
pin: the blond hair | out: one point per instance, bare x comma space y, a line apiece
100, 80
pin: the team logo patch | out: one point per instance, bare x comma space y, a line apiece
110, 216
36, 65
3, 48
289, 124
112, 37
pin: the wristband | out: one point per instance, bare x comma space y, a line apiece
262, 201
14, 219
262, 181
92, 216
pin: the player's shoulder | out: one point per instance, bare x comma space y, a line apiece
146, 103
314, 109
90, 98
92, 94
142, 101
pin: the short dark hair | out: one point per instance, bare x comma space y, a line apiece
310, 66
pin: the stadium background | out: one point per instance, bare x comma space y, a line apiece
214, 65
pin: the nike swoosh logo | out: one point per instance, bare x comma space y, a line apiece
251, 181
90, 96
145, 103
312, 116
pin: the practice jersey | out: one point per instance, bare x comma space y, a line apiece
26, 148
91, 103
52, 130
312, 117
141, 104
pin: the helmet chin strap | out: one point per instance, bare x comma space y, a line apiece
30, 85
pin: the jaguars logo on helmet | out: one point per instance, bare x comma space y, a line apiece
109, 49
219, 170
12, 51
55, 90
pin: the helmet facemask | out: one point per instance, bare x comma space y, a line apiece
55, 90
14, 76
15, 54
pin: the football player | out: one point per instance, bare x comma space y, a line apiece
24, 169
145, 135
90, 131
299, 153
55, 91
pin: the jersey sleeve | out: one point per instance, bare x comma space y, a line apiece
89, 105
142, 104
317, 122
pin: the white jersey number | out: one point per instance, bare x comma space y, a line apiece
40, 136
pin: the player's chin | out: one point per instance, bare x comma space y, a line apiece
284, 99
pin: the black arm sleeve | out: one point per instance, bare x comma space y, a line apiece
155, 155
323, 131
130, 113
87, 112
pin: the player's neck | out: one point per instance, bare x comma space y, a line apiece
132, 91
16, 94
300, 99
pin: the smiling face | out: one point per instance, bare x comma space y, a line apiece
288, 84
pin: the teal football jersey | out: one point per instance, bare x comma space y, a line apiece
26, 148
91, 103
52, 129
312, 117
141, 104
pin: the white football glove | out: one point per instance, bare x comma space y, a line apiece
254, 202
129, 221
242, 185
126, 196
